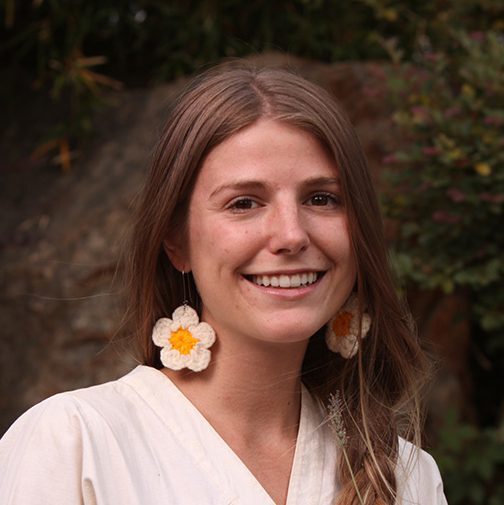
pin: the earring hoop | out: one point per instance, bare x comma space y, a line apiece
186, 288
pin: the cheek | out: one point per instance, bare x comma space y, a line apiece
216, 246
334, 238
341, 252
203, 234
348, 260
225, 237
346, 242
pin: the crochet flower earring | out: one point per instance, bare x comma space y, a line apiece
184, 341
342, 330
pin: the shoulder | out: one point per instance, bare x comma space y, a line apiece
74, 412
60, 420
65, 435
45, 441
419, 480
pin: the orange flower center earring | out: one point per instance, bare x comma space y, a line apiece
343, 329
183, 339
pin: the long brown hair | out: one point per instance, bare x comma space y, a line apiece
379, 388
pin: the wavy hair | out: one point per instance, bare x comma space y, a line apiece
380, 387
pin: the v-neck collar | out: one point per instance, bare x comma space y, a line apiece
312, 478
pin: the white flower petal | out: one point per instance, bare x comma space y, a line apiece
204, 333
162, 332
199, 359
354, 326
348, 346
366, 324
185, 316
175, 326
173, 360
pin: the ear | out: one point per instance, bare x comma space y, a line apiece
177, 255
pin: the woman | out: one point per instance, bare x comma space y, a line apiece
297, 373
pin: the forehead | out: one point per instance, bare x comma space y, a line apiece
268, 149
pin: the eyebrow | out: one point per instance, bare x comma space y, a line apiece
259, 185
239, 185
322, 181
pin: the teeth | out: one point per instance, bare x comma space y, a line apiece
285, 281
295, 281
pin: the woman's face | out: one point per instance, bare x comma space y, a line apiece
267, 237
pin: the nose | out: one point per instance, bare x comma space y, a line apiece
288, 233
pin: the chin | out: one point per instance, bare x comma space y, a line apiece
291, 334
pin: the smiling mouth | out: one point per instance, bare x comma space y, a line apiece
286, 281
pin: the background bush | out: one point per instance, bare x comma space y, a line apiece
71, 49
445, 197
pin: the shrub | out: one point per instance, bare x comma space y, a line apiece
472, 462
447, 181
446, 196
56, 42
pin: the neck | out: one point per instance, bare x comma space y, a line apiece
253, 386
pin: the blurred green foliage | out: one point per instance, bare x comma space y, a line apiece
471, 462
448, 185
147, 39
446, 198
56, 44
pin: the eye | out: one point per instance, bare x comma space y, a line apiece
324, 200
243, 204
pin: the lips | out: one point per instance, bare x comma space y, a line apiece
286, 281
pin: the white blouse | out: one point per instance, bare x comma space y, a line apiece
140, 441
